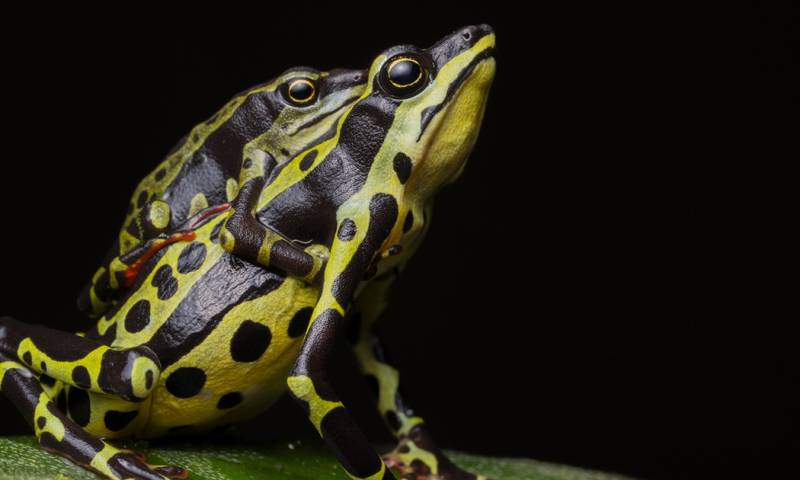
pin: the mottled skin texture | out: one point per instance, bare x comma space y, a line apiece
245, 141
242, 294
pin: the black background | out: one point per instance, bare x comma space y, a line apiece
582, 297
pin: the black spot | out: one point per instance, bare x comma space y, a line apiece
409, 222
186, 382
299, 323
308, 160
404, 449
372, 384
161, 174
44, 366
117, 421
168, 289
138, 316
402, 166
166, 283
192, 257
26, 357
148, 379
285, 152
61, 401
395, 249
162, 274
41, 422
347, 230
229, 400
80, 375
47, 381
393, 420
78, 406
215, 232
142, 199
250, 341
247, 163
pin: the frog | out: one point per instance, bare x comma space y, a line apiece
215, 328
256, 130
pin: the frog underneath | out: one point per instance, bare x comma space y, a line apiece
214, 328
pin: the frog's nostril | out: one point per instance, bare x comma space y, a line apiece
466, 34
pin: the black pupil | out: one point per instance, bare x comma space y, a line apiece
301, 91
404, 73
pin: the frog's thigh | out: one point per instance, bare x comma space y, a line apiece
59, 434
130, 373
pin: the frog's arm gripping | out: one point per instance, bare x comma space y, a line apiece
308, 380
61, 435
416, 454
129, 374
243, 235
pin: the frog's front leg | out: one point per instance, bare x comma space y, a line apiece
308, 381
244, 236
130, 374
416, 455
61, 435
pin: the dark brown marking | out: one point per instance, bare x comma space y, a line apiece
80, 375
402, 166
299, 322
250, 341
186, 382
117, 421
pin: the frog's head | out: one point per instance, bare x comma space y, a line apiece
430, 104
303, 104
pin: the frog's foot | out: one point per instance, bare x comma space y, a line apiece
168, 471
417, 458
128, 464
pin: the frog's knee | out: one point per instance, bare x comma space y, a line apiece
156, 218
130, 373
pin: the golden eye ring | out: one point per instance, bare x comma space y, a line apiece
301, 91
404, 72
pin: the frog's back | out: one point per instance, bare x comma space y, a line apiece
226, 333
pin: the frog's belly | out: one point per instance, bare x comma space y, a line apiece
242, 365
226, 339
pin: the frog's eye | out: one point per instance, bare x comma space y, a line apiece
300, 91
403, 76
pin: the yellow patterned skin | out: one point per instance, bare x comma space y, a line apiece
224, 298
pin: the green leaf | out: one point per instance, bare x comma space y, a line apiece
22, 459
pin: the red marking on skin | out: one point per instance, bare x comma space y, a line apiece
211, 211
133, 271
184, 236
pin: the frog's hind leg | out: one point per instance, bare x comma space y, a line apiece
129, 374
416, 454
62, 436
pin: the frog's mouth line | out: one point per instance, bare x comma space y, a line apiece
430, 112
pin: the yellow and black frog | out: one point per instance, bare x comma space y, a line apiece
248, 302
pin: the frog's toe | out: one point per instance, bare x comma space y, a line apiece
418, 470
132, 465
171, 471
